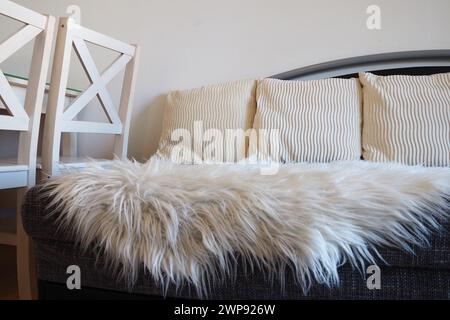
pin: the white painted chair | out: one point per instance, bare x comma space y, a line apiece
60, 119
24, 118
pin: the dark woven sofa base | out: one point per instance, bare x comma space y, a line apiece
396, 283
58, 291
425, 275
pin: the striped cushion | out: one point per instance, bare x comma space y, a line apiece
406, 119
224, 106
318, 120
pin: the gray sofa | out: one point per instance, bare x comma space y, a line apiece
425, 275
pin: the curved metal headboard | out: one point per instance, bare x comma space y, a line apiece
407, 62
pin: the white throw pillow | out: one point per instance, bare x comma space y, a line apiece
317, 120
202, 124
406, 119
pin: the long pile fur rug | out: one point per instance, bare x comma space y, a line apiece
189, 223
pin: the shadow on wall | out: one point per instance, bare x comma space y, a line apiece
150, 118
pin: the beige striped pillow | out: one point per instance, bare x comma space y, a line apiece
406, 119
318, 120
221, 107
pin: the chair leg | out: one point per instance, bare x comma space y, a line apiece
26, 274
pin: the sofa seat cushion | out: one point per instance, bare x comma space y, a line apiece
437, 255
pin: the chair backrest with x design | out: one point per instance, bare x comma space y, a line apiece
24, 118
60, 119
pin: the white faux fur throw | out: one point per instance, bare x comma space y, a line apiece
189, 223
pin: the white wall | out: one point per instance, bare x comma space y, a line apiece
186, 44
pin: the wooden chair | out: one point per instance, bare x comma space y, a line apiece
24, 118
60, 119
